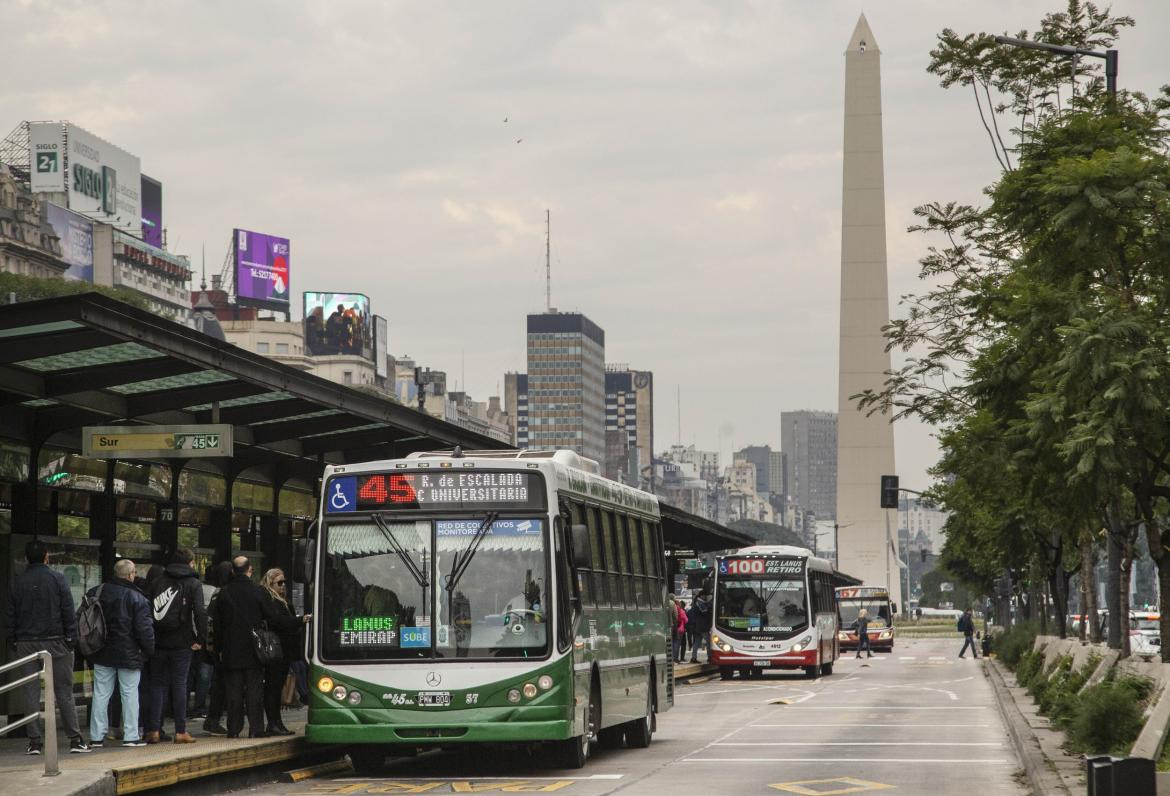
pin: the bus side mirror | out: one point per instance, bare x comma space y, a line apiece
581, 558
304, 560
893, 609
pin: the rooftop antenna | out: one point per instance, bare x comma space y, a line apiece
203, 279
679, 414
548, 260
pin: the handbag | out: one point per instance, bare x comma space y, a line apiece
267, 645
288, 694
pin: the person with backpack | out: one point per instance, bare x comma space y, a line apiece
861, 625
966, 626
180, 629
699, 623
129, 643
41, 619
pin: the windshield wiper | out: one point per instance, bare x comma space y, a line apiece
460, 563
419, 576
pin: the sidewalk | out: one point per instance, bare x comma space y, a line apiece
114, 769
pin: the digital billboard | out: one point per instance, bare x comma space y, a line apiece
262, 269
76, 234
152, 228
338, 323
103, 180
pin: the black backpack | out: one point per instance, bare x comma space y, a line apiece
169, 605
91, 624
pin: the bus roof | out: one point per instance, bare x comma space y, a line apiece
784, 550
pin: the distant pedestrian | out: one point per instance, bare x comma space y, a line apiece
287, 625
681, 635
699, 623
862, 626
967, 628
180, 625
129, 644
41, 618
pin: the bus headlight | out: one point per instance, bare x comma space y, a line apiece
797, 647
355, 697
325, 685
514, 696
885, 634
545, 682
842, 636
340, 692
716, 640
529, 690
725, 647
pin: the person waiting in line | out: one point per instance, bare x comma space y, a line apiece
180, 630
681, 631
202, 667
222, 575
699, 623
861, 624
287, 625
129, 645
41, 619
967, 627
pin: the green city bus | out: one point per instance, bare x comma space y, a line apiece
485, 597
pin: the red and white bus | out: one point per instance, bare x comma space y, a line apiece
774, 608
875, 600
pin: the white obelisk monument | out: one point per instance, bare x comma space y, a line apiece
867, 535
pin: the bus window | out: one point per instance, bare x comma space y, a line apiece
637, 563
616, 596
603, 594
564, 587
620, 540
585, 579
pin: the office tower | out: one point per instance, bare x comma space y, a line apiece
566, 384
808, 439
629, 423
516, 404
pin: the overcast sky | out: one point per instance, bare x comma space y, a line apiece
690, 153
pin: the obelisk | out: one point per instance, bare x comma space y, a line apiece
867, 535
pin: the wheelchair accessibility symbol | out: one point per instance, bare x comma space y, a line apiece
343, 494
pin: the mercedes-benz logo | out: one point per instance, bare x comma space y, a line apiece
434, 678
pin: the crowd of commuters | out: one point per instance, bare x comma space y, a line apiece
690, 627
167, 637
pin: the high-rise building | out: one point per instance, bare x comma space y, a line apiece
809, 441
629, 423
516, 404
769, 468
866, 547
566, 384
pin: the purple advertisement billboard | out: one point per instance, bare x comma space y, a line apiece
262, 269
152, 228
338, 323
76, 234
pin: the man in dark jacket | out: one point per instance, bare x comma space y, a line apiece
967, 628
240, 608
129, 643
40, 616
700, 621
180, 628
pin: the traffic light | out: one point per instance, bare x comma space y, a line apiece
889, 491
923, 552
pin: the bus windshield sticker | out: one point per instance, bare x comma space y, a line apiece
416, 637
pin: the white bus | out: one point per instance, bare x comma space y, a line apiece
775, 608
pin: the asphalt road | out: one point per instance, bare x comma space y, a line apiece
918, 721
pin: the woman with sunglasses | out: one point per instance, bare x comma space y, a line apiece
287, 628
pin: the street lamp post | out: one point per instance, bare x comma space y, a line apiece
1109, 56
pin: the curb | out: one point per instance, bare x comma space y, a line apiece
1041, 778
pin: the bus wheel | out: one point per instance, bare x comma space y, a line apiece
826, 669
811, 672
367, 758
726, 672
573, 753
639, 732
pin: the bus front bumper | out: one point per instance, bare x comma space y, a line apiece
415, 727
875, 642
789, 659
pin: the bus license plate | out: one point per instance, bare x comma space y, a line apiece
761, 663
434, 699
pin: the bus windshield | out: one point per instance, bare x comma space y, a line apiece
761, 605
422, 589
876, 609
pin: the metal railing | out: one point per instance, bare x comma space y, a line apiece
50, 711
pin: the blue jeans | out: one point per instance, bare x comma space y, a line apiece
168, 672
103, 689
203, 671
699, 641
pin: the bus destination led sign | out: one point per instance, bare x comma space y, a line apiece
761, 567
435, 490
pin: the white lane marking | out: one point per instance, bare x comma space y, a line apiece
908, 658
859, 743
741, 689
843, 724
846, 760
476, 778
